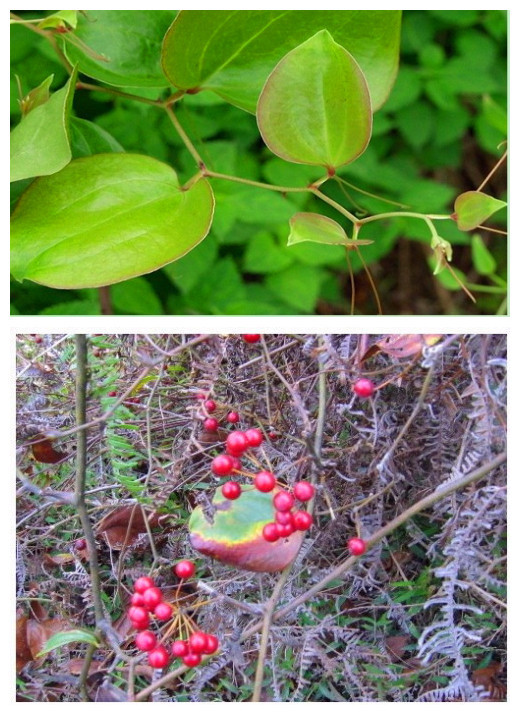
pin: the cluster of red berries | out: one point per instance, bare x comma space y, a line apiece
211, 424
287, 520
148, 599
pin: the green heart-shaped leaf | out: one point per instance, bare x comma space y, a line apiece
40, 142
319, 229
120, 47
235, 536
474, 207
232, 52
315, 105
106, 218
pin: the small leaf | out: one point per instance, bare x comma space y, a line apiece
315, 106
43, 450
40, 142
37, 96
122, 527
60, 639
319, 229
400, 346
106, 218
483, 259
473, 208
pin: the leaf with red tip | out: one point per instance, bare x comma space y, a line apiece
473, 208
235, 536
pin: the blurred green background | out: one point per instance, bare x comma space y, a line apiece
437, 136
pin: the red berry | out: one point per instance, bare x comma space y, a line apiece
137, 599
179, 649
283, 501
284, 529
139, 617
303, 491
211, 644
364, 387
197, 642
273, 436
231, 490
143, 583
112, 393
210, 405
265, 481
283, 517
237, 464
254, 437
163, 611
158, 658
146, 640
211, 424
251, 338
80, 544
152, 597
200, 396
356, 546
185, 569
270, 532
38, 339
192, 659
302, 520
222, 465
236, 443
233, 417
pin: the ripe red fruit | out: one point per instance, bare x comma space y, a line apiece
112, 393
270, 532
303, 491
200, 396
356, 546
210, 405
233, 417
273, 436
283, 501
80, 544
185, 569
146, 640
143, 583
192, 659
254, 437
283, 517
251, 338
163, 611
302, 520
231, 490
38, 339
222, 465
237, 464
284, 529
179, 649
139, 617
236, 443
152, 597
211, 644
158, 658
137, 599
265, 481
364, 387
197, 642
211, 424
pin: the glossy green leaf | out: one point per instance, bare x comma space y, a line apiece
235, 536
483, 259
231, 52
319, 229
37, 96
120, 47
87, 138
473, 208
65, 637
40, 142
315, 106
104, 219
